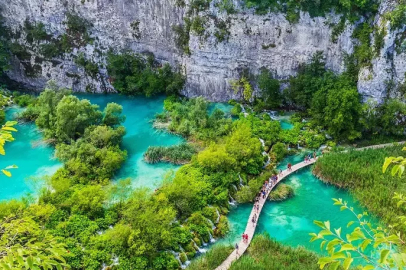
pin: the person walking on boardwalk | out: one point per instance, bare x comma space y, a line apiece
280, 173
236, 248
315, 155
289, 167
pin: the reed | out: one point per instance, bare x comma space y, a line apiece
360, 172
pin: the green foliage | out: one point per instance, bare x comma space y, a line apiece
222, 32
182, 33
364, 51
23, 245
397, 16
211, 259
351, 10
190, 118
36, 32
266, 253
177, 154
135, 74
226, 6
270, 89
332, 101
281, 192
387, 119
91, 68
198, 26
279, 150
380, 33
363, 238
243, 87
361, 173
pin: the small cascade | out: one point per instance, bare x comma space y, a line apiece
200, 250
262, 142
232, 201
241, 180
218, 216
115, 262
299, 147
243, 110
177, 256
212, 240
235, 187
272, 114
211, 223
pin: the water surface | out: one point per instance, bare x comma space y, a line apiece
33, 158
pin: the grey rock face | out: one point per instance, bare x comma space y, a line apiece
255, 41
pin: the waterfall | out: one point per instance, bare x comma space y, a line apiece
262, 142
177, 256
232, 201
272, 114
115, 262
218, 216
235, 187
241, 180
200, 250
211, 223
212, 240
298, 146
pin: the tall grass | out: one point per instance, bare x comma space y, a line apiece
213, 258
177, 154
281, 192
361, 173
265, 253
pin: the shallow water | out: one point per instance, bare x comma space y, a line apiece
33, 159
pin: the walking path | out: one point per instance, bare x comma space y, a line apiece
250, 229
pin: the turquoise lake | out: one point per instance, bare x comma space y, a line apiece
33, 158
36, 160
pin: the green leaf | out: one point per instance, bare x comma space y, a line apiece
327, 224
386, 164
384, 256
368, 267
319, 223
347, 247
347, 263
350, 223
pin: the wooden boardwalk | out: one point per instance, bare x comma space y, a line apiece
250, 229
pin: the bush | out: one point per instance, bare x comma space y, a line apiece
177, 154
281, 192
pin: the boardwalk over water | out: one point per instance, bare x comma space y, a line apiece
250, 229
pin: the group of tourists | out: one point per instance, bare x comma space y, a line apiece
308, 158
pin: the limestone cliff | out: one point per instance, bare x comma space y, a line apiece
254, 41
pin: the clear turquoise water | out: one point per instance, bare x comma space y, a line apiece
139, 112
291, 221
286, 125
36, 160
33, 159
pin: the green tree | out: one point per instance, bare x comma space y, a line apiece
112, 115
24, 245
270, 88
73, 116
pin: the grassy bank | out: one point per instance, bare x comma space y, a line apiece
281, 192
265, 253
361, 173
